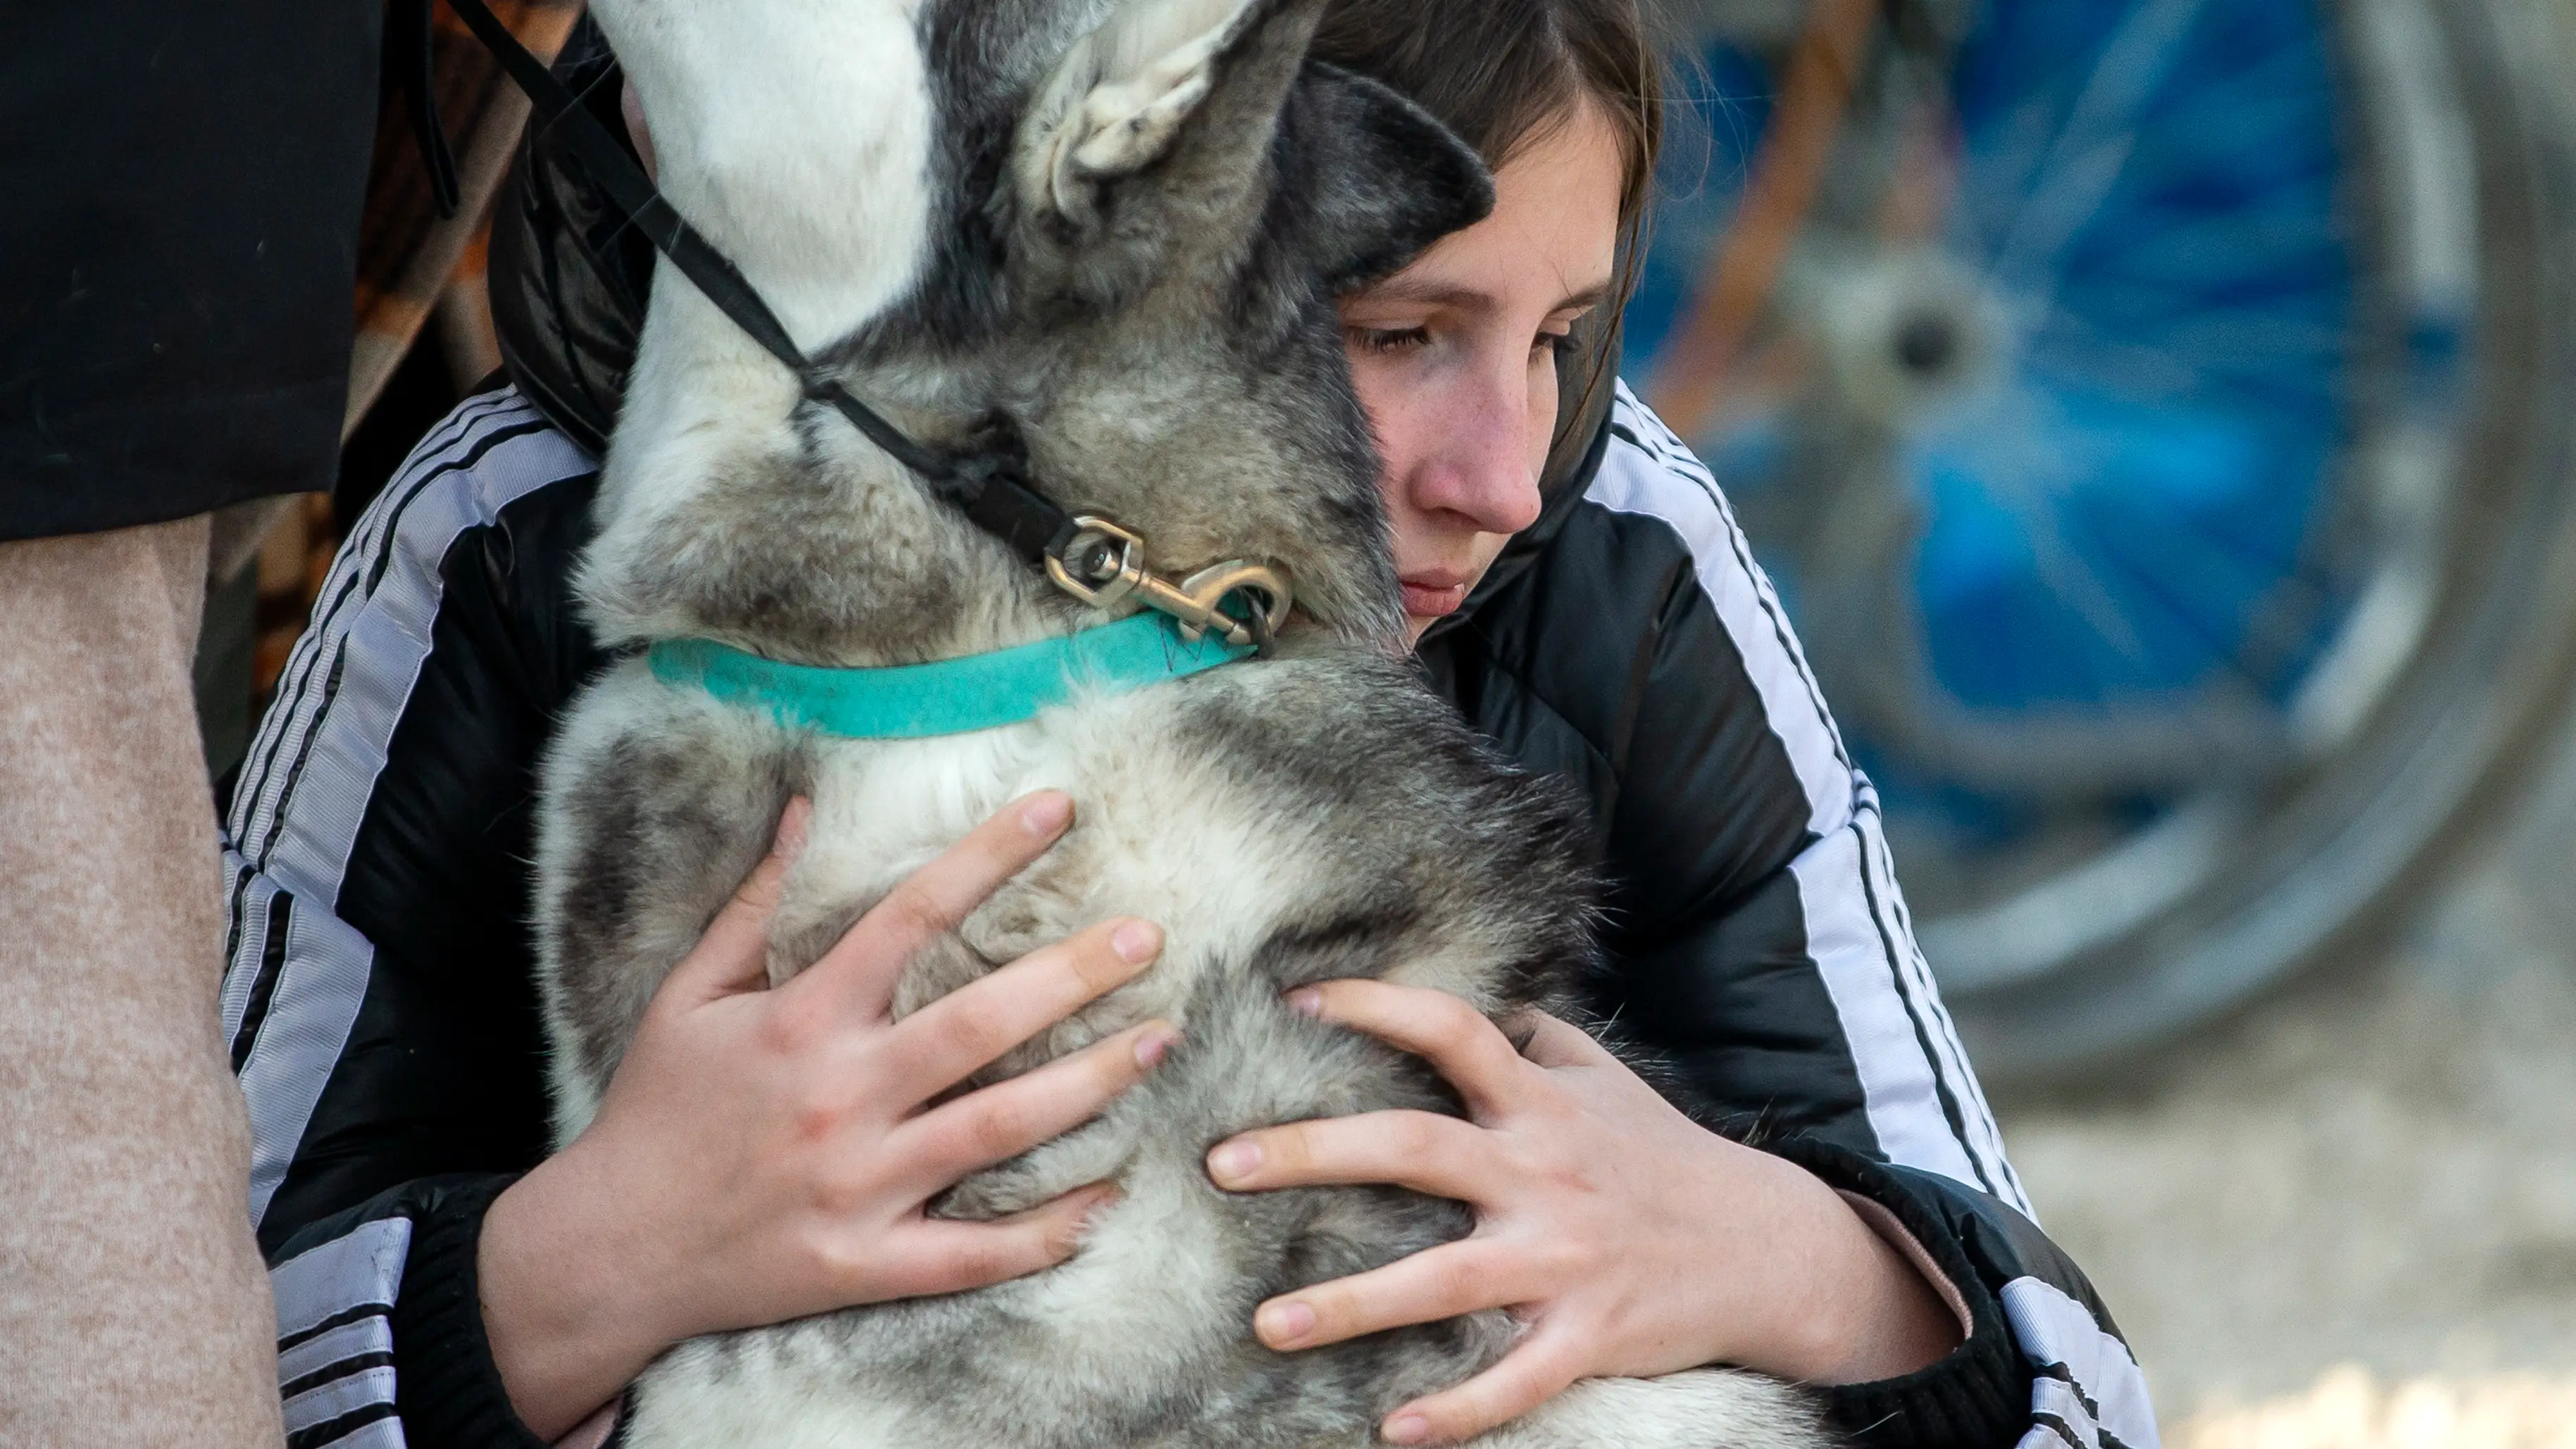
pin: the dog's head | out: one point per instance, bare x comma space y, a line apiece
1114, 229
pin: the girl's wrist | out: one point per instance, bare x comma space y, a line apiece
1907, 1326
1844, 1304
566, 1307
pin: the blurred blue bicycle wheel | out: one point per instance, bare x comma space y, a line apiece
2150, 431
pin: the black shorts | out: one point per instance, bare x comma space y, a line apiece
180, 186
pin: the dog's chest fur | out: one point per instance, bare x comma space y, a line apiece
1108, 233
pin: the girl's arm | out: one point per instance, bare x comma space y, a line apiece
1758, 940
1769, 951
761, 1154
380, 1005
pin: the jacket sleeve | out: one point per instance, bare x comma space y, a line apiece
1760, 941
378, 998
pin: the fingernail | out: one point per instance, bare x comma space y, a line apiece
1047, 814
1406, 1429
1151, 1046
789, 842
1136, 942
1283, 1323
1306, 1001
1234, 1161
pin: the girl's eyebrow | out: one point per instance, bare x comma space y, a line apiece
1585, 300
1424, 292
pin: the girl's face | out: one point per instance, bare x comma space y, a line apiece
1455, 359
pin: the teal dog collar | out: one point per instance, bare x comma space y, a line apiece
951, 696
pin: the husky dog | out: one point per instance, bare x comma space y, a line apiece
1111, 232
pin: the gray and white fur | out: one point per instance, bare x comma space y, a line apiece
1109, 232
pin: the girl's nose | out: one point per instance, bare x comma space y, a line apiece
1480, 469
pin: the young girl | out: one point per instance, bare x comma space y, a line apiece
1577, 587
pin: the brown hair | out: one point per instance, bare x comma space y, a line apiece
1506, 73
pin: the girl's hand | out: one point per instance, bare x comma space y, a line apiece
1629, 1240
765, 1154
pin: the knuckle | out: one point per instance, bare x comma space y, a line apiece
1559, 1171
1556, 1269
836, 1257
1482, 1405
1454, 1026
1453, 1282
816, 1111
841, 1195
757, 894
1418, 1135
986, 1258
1567, 1258
835, 1198
1104, 1069
1337, 1313
1289, 1147
1059, 1235
965, 1028
1094, 965
998, 1130
912, 912
787, 1028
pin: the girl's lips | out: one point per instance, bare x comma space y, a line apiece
1433, 601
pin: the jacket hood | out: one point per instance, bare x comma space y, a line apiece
569, 277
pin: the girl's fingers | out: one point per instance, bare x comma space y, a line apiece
1425, 1151
861, 969
1551, 1043
733, 954
941, 1256
964, 1031
1537, 1369
999, 1122
1462, 1277
1471, 1052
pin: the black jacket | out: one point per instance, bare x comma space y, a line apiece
380, 1001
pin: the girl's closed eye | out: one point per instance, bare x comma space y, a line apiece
1390, 339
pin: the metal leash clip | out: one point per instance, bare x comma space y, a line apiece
1103, 563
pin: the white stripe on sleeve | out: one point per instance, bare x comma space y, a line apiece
250, 921
301, 691
1676, 489
371, 1334
322, 1404
1845, 941
348, 1284
385, 1433
314, 1003
2058, 1335
1923, 1101
353, 1271
313, 768
1975, 1120
2056, 1406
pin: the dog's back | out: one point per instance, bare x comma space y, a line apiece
1123, 262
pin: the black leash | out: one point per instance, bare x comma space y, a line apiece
990, 487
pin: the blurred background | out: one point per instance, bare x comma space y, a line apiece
2156, 416
2159, 417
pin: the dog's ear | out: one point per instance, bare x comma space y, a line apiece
1185, 89
1380, 179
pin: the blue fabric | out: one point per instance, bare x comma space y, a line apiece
951, 696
